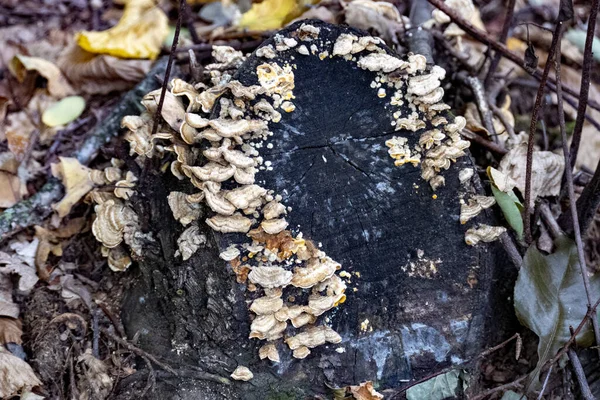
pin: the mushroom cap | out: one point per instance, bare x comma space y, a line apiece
270, 277
242, 373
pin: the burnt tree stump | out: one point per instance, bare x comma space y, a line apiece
417, 297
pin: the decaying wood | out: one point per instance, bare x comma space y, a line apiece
418, 299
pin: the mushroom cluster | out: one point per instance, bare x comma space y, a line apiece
212, 134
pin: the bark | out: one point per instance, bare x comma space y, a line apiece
377, 220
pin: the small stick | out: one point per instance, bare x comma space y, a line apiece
532, 129
165, 83
580, 374
482, 104
509, 128
510, 9
499, 346
494, 147
137, 350
502, 388
585, 83
571, 191
550, 221
546, 380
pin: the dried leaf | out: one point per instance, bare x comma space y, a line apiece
437, 388
11, 330
100, 73
19, 129
58, 86
546, 174
139, 33
382, 16
549, 298
268, 15
365, 391
64, 111
75, 178
9, 189
15, 375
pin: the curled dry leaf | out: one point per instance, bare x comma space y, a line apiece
76, 179
16, 375
546, 174
139, 33
365, 391
58, 86
101, 73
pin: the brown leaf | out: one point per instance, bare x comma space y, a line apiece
15, 375
10, 187
11, 330
101, 74
365, 391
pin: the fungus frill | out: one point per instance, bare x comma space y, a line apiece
242, 373
112, 217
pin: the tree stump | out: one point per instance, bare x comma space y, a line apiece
417, 295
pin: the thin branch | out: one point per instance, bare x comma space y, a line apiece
483, 37
419, 39
137, 351
585, 82
165, 83
545, 384
510, 8
580, 374
502, 388
488, 144
482, 105
532, 129
571, 191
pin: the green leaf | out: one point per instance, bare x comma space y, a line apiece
64, 111
510, 395
509, 204
549, 297
438, 388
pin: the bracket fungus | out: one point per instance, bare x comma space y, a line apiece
324, 149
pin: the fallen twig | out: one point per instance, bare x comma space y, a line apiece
545, 384
570, 190
585, 388
419, 39
556, 37
482, 105
502, 388
137, 350
510, 8
585, 83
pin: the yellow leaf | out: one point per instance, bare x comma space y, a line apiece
139, 33
268, 15
514, 44
75, 177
